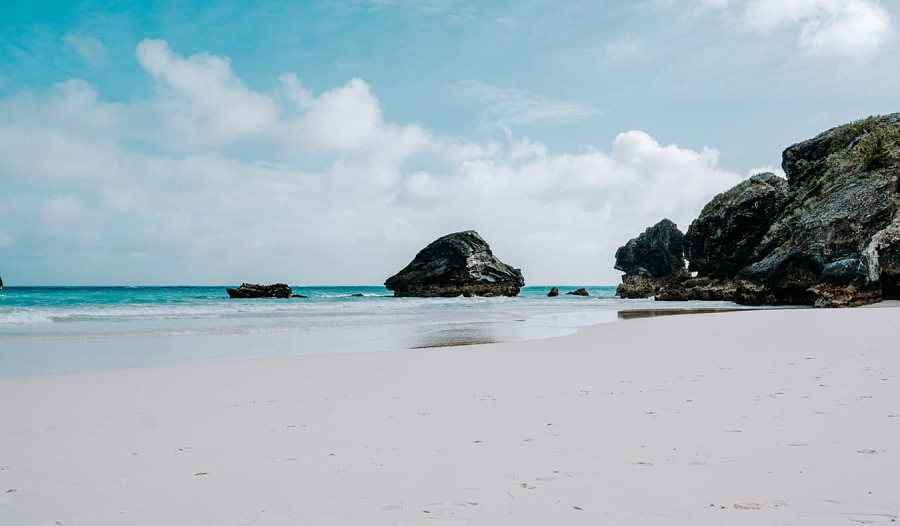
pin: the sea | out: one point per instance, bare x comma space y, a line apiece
53, 330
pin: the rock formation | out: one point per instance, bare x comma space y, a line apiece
579, 292
722, 240
827, 236
650, 261
828, 245
250, 290
554, 292
456, 264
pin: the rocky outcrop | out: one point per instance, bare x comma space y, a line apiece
827, 236
554, 292
578, 292
459, 264
832, 244
301, 296
651, 261
722, 240
250, 290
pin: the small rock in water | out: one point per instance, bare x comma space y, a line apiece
301, 296
554, 292
579, 292
251, 290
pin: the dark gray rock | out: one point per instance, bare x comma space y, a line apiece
459, 264
554, 292
301, 296
722, 240
250, 290
651, 261
828, 245
659, 250
578, 292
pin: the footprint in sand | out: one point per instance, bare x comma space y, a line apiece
867, 451
398, 506
697, 463
747, 506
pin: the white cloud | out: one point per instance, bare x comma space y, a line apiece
853, 28
88, 48
506, 106
766, 168
324, 189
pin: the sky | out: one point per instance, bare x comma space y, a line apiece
325, 143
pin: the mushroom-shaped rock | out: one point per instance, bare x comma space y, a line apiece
459, 264
251, 290
722, 240
579, 292
554, 292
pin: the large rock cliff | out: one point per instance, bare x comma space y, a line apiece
827, 236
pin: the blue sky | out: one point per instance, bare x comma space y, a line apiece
326, 142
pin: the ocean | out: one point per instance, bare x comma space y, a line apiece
48, 330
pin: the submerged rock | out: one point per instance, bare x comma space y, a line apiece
579, 292
459, 264
251, 290
301, 296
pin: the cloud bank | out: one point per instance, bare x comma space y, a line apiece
212, 181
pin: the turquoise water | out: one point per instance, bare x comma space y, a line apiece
65, 329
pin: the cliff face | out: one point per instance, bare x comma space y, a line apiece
459, 264
828, 236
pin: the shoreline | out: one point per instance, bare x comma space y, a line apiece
55, 353
767, 416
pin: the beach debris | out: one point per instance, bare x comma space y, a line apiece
251, 290
554, 292
201, 473
458, 264
578, 508
578, 292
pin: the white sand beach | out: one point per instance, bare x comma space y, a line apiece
765, 417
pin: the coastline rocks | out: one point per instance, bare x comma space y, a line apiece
659, 250
459, 264
554, 292
831, 246
722, 240
828, 236
651, 261
301, 296
579, 292
251, 290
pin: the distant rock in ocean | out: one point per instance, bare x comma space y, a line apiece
652, 260
459, 264
579, 292
827, 236
301, 296
554, 292
250, 290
